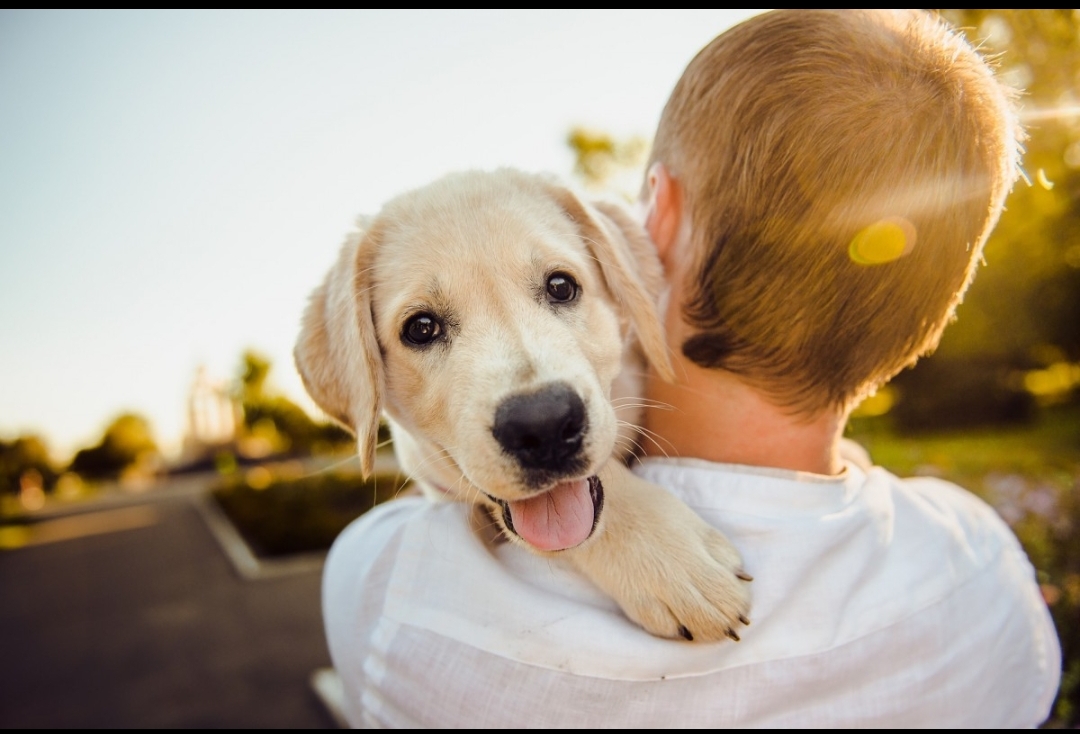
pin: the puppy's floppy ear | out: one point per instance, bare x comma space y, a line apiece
337, 354
630, 266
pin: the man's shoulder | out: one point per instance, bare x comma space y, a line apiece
377, 533
866, 531
951, 510
931, 504
378, 524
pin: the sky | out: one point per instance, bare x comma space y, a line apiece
173, 184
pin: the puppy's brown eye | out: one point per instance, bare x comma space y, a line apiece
561, 288
421, 329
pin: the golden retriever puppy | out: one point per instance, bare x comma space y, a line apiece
498, 322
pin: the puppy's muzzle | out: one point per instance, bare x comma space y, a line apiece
543, 430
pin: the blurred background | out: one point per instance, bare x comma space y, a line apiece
174, 184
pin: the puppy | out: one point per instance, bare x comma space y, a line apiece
498, 322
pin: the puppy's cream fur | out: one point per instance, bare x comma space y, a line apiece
475, 249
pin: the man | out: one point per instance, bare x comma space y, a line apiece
821, 186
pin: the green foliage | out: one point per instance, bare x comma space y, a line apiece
603, 162
1025, 302
301, 514
254, 369
275, 424
127, 441
24, 454
959, 393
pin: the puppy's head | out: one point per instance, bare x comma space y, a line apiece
487, 314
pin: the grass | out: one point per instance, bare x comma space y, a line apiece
1048, 450
280, 516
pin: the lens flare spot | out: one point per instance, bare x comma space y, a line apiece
882, 242
1045, 182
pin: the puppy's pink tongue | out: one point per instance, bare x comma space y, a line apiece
557, 519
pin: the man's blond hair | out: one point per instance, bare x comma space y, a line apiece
841, 171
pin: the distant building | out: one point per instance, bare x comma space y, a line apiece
212, 417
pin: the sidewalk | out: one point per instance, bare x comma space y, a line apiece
141, 621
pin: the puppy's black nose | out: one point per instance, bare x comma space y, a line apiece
544, 429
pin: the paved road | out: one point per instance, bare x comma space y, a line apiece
144, 623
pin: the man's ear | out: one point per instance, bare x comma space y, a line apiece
664, 213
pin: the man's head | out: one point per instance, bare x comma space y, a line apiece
829, 178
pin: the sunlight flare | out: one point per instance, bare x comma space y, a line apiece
883, 241
1060, 112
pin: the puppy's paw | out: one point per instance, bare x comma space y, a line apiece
695, 590
672, 573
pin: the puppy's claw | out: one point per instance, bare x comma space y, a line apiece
675, 573
743, 619
743, 575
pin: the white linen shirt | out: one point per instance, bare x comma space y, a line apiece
876, 602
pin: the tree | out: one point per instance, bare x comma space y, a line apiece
254, 369
273, 424
27, 453
604, 163
1025, 304
128, 441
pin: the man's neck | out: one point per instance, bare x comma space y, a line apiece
711, 414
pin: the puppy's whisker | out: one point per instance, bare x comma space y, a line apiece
422, 471
419, 472
635, 447
635, 406
351, 459
627, 446
641, 402
655, 438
